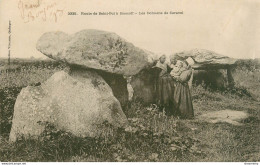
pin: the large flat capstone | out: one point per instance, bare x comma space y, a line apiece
95, 49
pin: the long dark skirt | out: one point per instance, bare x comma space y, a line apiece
183, 101
165, 92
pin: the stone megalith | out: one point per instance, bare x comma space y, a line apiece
143, 85
111, 56
211, 68
205, 59
76, 103
117, 82
94, 49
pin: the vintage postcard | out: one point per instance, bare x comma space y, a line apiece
129, 81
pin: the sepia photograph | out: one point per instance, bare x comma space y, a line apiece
130, 81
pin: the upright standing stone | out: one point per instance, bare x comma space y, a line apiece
117, 82
78, 104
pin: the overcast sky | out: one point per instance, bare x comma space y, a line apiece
228, 27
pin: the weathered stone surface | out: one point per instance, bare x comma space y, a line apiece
224, 116
95, 49
213, 69
143, 85
76, 103
211, 76
117, 83
205, 59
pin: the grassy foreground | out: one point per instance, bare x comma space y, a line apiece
151, 136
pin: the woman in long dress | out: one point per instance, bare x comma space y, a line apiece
182, 95
165, 87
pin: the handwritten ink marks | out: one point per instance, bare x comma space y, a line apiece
39, 10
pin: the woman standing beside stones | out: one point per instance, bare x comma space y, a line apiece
182, 95
164, 87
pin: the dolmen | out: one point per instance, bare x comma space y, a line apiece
103, 69
209, 68
91, 93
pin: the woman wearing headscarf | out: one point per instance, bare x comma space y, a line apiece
164, 87
182, 95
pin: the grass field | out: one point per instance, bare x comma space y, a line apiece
151, 136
